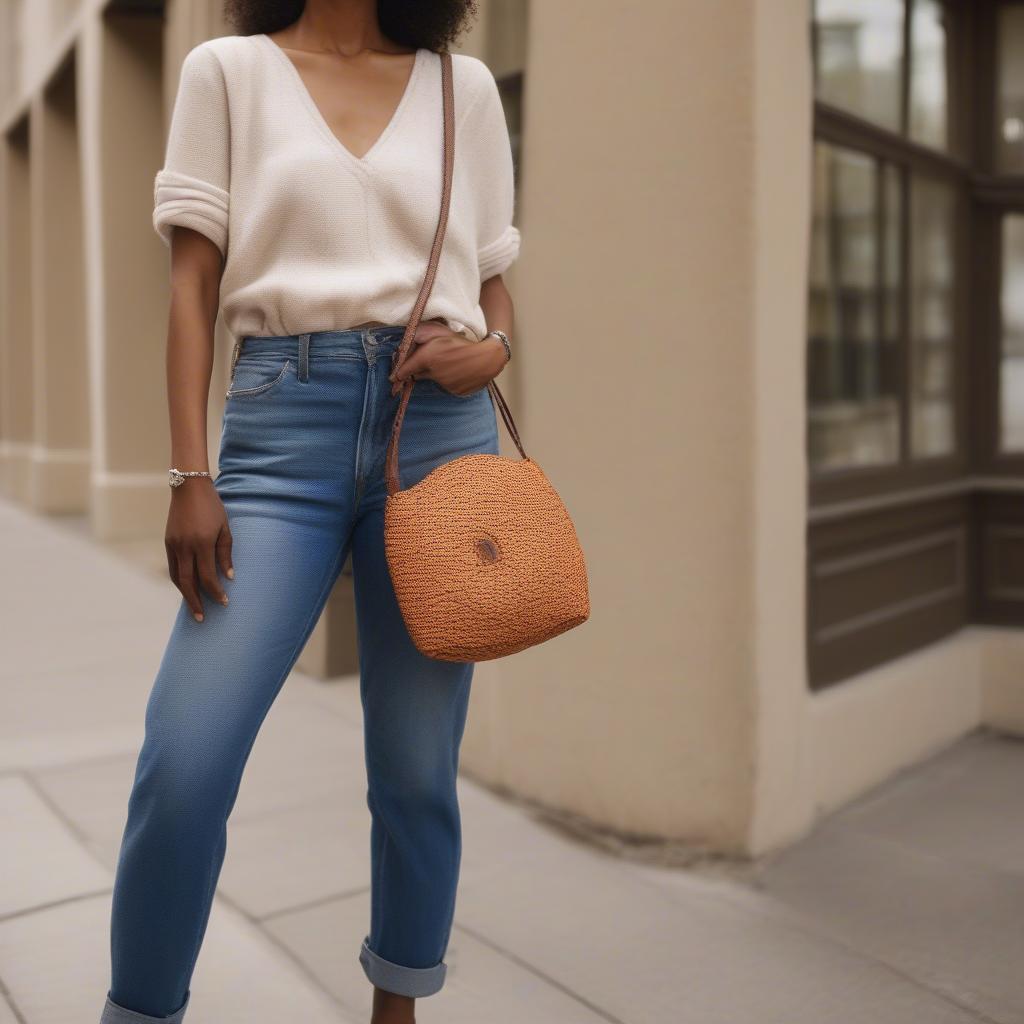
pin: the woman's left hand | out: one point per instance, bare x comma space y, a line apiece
459, 364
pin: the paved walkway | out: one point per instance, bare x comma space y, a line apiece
906, 909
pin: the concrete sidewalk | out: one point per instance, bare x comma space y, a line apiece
908, 908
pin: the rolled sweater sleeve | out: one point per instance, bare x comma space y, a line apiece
487, 131
192, 188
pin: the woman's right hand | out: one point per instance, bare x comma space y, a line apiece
198, 542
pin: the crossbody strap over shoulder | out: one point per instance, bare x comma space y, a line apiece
391, 462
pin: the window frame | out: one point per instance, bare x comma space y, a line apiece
839, 127
995, 194
899, 556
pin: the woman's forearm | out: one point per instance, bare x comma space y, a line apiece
497, 306
195, 283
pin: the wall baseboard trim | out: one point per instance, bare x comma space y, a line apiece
1002, 670
16, 471
864, 730
59, 480
128, 506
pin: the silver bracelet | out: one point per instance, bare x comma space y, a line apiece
176, 477
503, 338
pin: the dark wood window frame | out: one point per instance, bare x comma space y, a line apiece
994, 195
840, 128
900, 555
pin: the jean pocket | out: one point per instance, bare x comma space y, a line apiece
256, 376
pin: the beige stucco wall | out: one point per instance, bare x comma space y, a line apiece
636, 355
60, 451
782, 104
1002, 674
129, 275
16, 412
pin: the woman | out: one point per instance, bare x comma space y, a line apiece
300, 194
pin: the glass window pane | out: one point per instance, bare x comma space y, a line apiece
932, 319
1010, 98
1011, 404
929, 84
853, 323
859, 58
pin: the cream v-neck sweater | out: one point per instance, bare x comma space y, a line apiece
313, 237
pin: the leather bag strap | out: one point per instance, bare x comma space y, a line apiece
391, 461
448, 97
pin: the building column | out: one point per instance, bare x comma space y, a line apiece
120, 80
648, 313
784, 804
60, 453
16, 367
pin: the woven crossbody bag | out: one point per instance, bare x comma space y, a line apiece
482, 553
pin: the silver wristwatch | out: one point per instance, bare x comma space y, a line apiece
176, 477
503, 338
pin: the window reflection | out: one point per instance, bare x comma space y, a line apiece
932, 321
1011, 398
929, 108
860, 57
1010, 100
853, 322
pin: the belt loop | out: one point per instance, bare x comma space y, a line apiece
303, 357
369, 339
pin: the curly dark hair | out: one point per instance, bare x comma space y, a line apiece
434, 24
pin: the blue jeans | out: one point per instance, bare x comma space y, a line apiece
305, 429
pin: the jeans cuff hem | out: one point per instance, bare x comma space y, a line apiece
414, 982
114, 1013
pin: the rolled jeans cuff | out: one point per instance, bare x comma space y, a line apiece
114, 1013
414, 982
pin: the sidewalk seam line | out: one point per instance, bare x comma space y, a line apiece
5, 993
784, 915
527, 966
71, 827
38, 908
796, 921
306, 971
298, 908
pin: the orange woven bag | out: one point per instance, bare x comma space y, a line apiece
482, 553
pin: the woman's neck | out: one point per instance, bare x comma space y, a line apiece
345, 27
